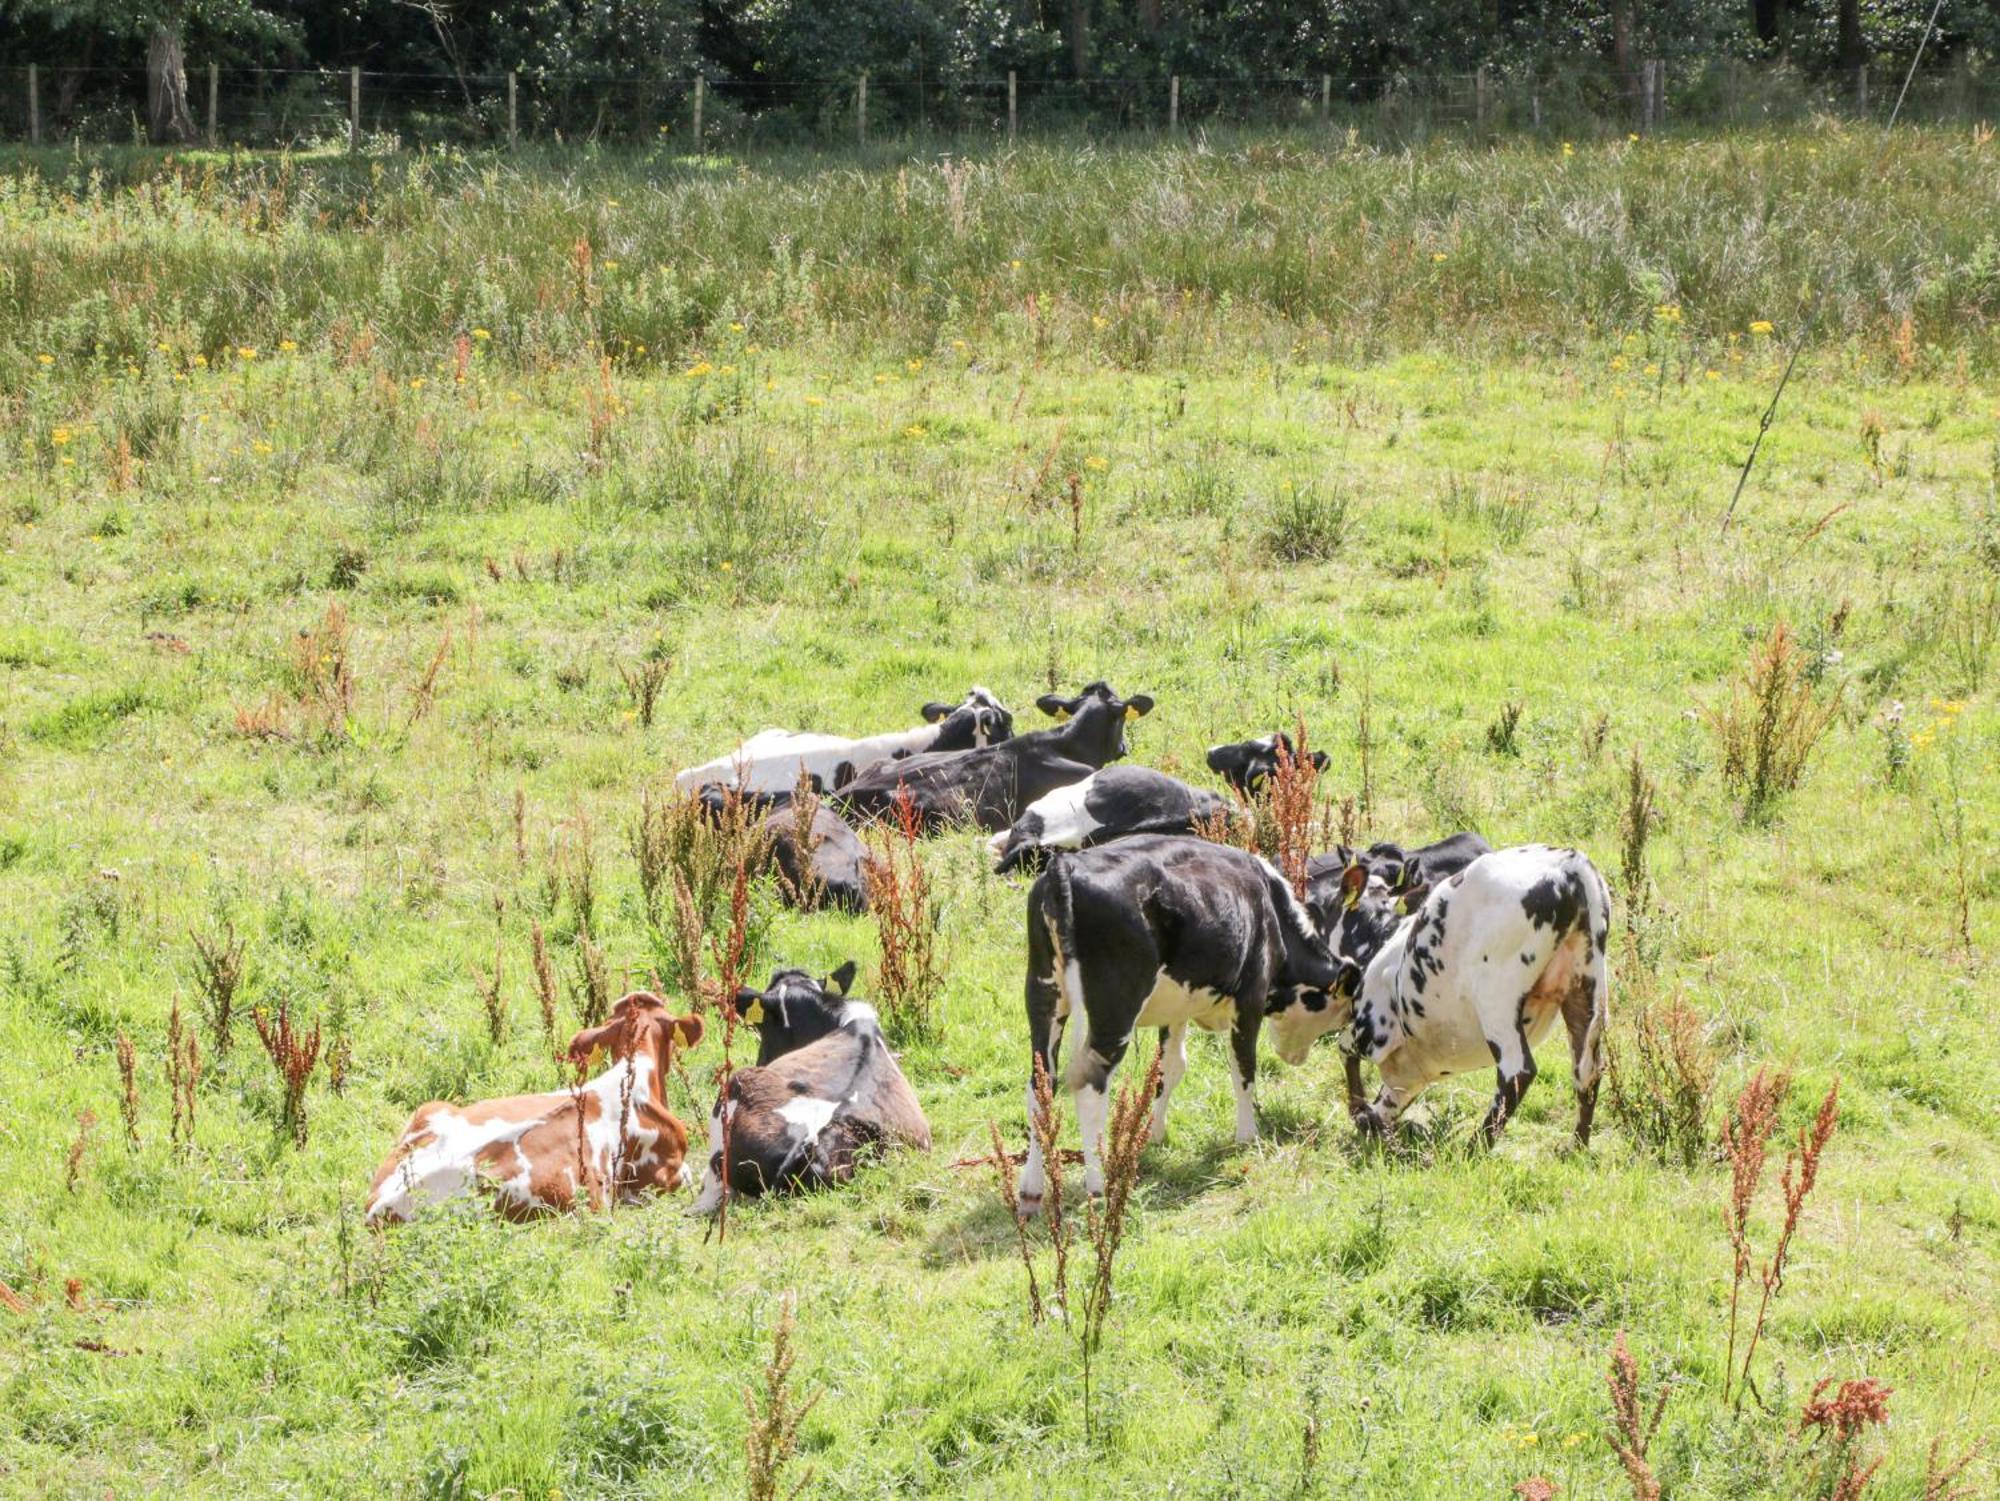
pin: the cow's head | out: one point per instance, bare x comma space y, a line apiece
794, 1009
1353, 908
640, 1022
1247, 765
980, 720
1095, 720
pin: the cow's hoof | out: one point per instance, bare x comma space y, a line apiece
1368, 1123
1028, 1207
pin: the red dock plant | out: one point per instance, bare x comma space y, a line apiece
1632, 1429
293, 1054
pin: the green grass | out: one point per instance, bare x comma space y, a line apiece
1441, 501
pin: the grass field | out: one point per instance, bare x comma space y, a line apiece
1391, 443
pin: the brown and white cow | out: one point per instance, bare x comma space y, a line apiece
540, 1153
825, 1089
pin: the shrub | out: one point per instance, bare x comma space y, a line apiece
1662, 1079
1768, 726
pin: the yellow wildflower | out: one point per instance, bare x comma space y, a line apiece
815, 401
1014, 265
45, 359
700, 368
1761, 326
1098, 320
1094, 462
1437, 255
1568, 149
913, 366
482, 334
288, 345
1713, 374
245, 352
60, 437
416, 383
736, 328
914, 430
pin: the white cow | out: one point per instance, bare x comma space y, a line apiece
770, 760
1471, 972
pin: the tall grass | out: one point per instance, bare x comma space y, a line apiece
1175, 250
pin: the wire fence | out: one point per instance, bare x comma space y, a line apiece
375, 112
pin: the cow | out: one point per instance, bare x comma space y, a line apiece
824, 1089
829, 868
1247, 765
1109, 804
771, 760
1398, 868
991, 786
1159, 931
610, 1137
1473, 970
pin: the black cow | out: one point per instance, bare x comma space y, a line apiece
825, 1089
831, 866
1114, 803
992, 785
1247, 765
771, 760
1160, 931
1401, 869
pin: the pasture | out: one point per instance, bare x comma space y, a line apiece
343, 505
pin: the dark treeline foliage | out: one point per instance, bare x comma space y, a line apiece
795, 52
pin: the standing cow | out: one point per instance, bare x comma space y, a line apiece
1114, 803
1159, 931
1475, 970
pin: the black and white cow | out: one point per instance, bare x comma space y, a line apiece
1247, 765
824, 1090
831, 863
1398, 868
1160, 931
1472, 971
1114, 803
770, 760
991, 786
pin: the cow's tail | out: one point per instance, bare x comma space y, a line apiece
1051, 945
1597, 927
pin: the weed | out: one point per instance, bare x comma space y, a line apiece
1632, 1429
592, 986
1045, 1123
183, 1077
1663, 1081
293, 1055
1941, 1476
1502, 735
643, 680
573, 869
423, 695
218, 970
545, 989
322, 676
1105, 1222
1746, 1135
128, 1096
1291, 807
773, 1438
809, 890
1767, 727
1842, 1419
1801, 1171
1637, 820
1003, 1170
86, 1123
489, 984
901, 901
1306, 524
1947, 810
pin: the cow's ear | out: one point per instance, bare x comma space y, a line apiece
1348, 984
935, 711
1319, 760
1137, 704
1056, 706
750, 1005
839, 981
1353, 881
687, 1031
1412, 899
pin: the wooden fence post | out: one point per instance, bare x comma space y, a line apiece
1174, 102
1325, 98
214, 89
1013, 105
513, 109
354, 109
34, 106
861, 110
1479, 96
1535, 108
1861, 88
700, 85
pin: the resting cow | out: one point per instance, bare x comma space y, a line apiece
991, 786
1475, 970
825, 1088
830, 865
1114, 803
531, 1151
1159, 931
1247, 765
770, 760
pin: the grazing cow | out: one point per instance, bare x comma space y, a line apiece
540, 1153
1159, 931
1109, 804
991, 786
1473, 970
1246, 765
770, 760
1400, 869
825, 1087
832, 861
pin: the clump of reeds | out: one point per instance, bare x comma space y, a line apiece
294, 1054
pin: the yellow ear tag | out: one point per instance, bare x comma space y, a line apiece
1062, 716
680, 1036
1130, 712
755, 1014
596, 1054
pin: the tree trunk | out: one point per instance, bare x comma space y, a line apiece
1150, 15
167, 119
1621, 48
1853, 46
1768, 17
1079, 38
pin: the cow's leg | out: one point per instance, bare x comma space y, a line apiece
1034, 1173
1089, 1079
1514, 1066
1243, 1069
1584, 1009
1173, 1064
1385, 1112
1047, 1004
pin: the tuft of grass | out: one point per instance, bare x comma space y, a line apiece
1772, 720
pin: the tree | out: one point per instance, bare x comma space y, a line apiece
1851, 48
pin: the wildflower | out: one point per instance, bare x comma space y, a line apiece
60, 437
913, 366
1951, 708
958, 343
1761, 326
736, 328
914, 430
881, 380
1668, 312
699, 368
1569, 149
1618, 362
1713, 374
164, 348
1098, 320
260, 447
1652, 369
609, 265
201, 362
67, 459
1632, 135
245, 352
287, 346
1014, 265
726, 565
611, 203
1436, 256
482, 334
1571, 1440
815, 401
49, 359
1095, 462
770, 385
639, 349
416, 383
